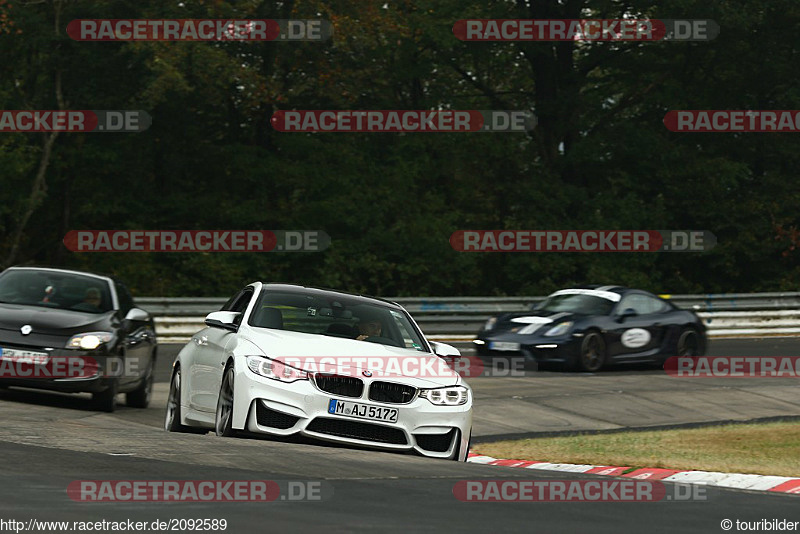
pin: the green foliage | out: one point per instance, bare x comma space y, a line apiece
600, 159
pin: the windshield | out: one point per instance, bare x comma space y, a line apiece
336, 316
581, 304
52, 289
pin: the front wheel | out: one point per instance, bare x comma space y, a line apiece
689, 343
140, 397
224, 417
593, 353
106, 400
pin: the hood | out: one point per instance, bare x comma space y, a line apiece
513, 322
48, 321
352, 357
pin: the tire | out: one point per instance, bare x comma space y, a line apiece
688, 343
106, 401
223, 419
140, 397
172, 419
592, 355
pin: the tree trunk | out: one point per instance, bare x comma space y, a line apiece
39, 189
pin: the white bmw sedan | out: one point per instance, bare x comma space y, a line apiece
282, 360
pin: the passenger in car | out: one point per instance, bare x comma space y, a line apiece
91, 301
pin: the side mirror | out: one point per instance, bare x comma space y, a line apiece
223, 319
443, 350
137, 314
627, 314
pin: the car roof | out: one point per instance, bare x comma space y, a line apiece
326, 292
60, 270
620, 290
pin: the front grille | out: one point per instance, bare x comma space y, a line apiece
391, 392
346, 386
35, 340
271, 418
355, 430
435, 442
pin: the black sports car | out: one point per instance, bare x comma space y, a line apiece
586, 327
75, 332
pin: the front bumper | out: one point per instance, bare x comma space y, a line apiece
538, 349
266, 406
77, 371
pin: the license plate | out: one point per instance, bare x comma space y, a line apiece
25, 356
362, 411
503, 345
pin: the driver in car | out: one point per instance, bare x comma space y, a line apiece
369, 328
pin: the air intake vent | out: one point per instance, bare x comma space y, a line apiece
435, 442
355, 430
273, 419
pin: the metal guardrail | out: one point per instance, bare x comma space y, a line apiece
734, 314
166, 306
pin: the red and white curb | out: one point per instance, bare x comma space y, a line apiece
708, 478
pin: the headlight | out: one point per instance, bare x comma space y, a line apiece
89, 340
452, 396
559, 329
490, 323
274, 369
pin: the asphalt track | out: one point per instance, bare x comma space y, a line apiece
49, 440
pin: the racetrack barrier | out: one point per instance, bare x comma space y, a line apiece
460, 318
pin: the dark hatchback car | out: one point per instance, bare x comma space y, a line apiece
74, 332
587, 327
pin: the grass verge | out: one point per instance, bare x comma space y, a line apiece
760, 448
